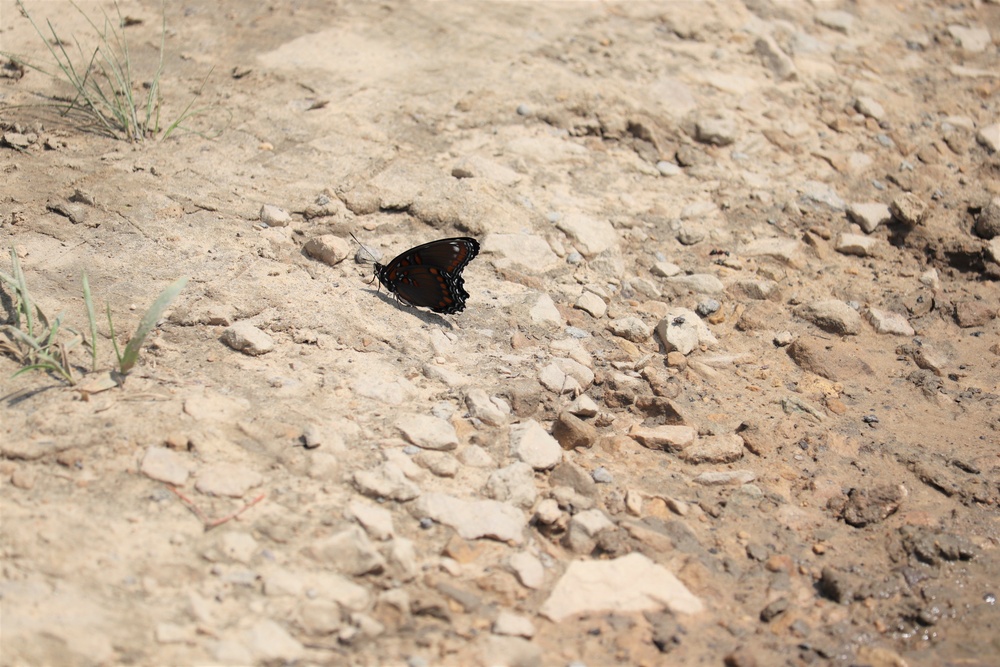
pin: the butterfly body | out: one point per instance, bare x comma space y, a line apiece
430, 275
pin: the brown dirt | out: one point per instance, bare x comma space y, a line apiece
869, 532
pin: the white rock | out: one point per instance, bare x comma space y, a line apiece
248, 339
386, 481
339, 589
555, 379
272, 643
583, 406
164, 465
591, 303
682, 330
227, 479
724, 477
972, 39
789, 251
503, 651
377, 521
885, 322
868, 107
665, 269
531, 252
699, 283
328, 248
715, 449
509, 623
548, 511
630, 328
349, 551
672, 438
319, 617
856, 244
428, 432
869, 216
473, 519
534, 445
514, 483
545, 312
283, 583
629, 583
583, 529
591, 237
441, 464
274, 216
237, 546
989, 137
528, 569
482, 408
403, 561
575, 369
831, 315
476, 457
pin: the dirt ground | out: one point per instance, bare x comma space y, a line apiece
731, 341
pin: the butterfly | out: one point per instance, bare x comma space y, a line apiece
430, 275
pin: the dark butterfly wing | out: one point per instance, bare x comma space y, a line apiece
430, 275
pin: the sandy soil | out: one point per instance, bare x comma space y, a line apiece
814, 455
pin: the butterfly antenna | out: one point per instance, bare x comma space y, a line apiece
361, 245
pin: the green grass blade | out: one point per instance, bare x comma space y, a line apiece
149, 321
114, 338
92, 320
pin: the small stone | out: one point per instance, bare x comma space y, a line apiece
545, 312
572, 432
428, 432
908, 209
869, 216
441, 464
831, 315
272, 643
671, 438
682, 330
581, 536
989, 137
775, 59
509, 623
835, 19
870, 506
972, 39
630, 328
377, 521
514, 483
274, 216
248, 339
227, 479
973, 313
591, 303
885, 322
988, 222
869, 108
714, 449
533, 445
583, 406
349, 551
476, 457
483, 408
602, 476
665, 269
548, 511
528, 569
698, 283
386, 481
164, 465
328, 248
24, 478
716, 131
319, 617
725, 477
473, 519
855, 244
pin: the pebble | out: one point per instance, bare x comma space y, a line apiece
869, 108
509, 623
349, 551
973, 313
571, 432
758, 290
581, 536
775, 59
583, 406
592, 304
602, 476
274, 216
725, 477
501, 651
972, 39
544, 311
626, 584
571, 475
248, 339
988, 223
590, 235
856, 244
908, 209
473, 519
441, 464
869, 216
989, 137
528, 569
164, 465
716, 131
668, 168
272, 643
24, 478
377, 521
227, 479
714, 449
885, 322
835, 19
698, 283
533, 445
386, 481
681, 330
428, 432
319, 617
831, 315
630, 328
482, 407
475, 456
665, 269
328, 248
671, 438
514, 484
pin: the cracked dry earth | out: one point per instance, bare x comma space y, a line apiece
725, 391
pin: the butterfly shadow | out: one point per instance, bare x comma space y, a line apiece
427, 316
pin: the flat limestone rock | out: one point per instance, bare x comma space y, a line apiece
629, 583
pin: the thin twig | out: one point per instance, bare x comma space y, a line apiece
212, 523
